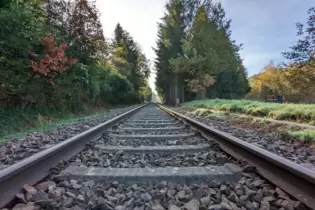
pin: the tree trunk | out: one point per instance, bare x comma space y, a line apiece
183, 94
200, 95
167, 94
181, 89
176, 98
170, 94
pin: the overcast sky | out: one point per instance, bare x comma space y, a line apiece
265, 27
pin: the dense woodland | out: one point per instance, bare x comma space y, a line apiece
196, 57
295, 79
53, 55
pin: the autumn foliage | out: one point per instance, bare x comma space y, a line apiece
199, 84
54, 60
295, 80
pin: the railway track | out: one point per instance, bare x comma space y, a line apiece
154, 158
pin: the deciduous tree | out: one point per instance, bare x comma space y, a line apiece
53, 61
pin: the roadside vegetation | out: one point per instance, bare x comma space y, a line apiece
291, 112
20, 122
23, 122
55, 61
305, 136
285, 131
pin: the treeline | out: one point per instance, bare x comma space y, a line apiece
294, 80
53, 54
196, 57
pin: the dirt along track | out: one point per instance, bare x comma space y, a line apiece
151, 160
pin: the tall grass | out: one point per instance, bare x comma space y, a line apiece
305, 136
16, 122
291, 112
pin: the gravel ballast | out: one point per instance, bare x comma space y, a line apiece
250, 193
100, 158
294, 151
147, 142
18, 149
59, 191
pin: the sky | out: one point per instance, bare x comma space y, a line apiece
266, 28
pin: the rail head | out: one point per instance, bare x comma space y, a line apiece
36, 167
291, 177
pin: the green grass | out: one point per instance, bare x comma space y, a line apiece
304, 136
290, 112
15, 123
202, 112
256, 121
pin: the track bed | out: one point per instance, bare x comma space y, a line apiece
148, 161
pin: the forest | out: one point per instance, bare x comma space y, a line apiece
54, 59
198, 59
54, 56
196, 56
56, 62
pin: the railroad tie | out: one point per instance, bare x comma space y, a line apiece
163, 129
156, 149
152, 137
181, 175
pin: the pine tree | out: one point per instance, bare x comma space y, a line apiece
204, 54
119, 34
130, 61
86, 30
171, 33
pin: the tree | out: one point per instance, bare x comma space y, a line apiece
119, 35
271, 81
53, 61
22, 28
283, 81
296, 79
169, 46
78, 23
208, 53
38, 42
301, 69
86, 30
196, 59
128, 58
303, 51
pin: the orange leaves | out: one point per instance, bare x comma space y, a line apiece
54, 60
200, 83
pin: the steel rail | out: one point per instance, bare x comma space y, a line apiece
36, 167
294, 179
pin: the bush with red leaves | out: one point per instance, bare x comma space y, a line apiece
54, 60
